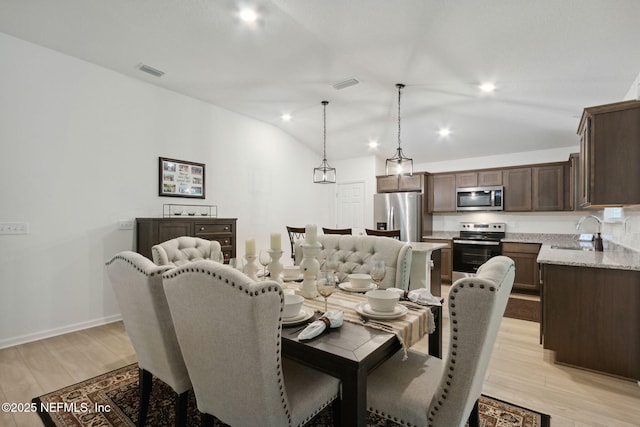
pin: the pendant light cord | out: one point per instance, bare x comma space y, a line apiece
324, 143
400, 86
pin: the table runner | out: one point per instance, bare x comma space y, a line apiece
415, 324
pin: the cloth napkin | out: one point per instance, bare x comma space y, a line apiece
423, 296
331, 319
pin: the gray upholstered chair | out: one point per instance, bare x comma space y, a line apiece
355, 254
427, 391
137, 284
229, 330
184, 249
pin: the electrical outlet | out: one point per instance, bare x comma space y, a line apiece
14, 228
125, 224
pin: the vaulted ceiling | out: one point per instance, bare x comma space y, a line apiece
548, 59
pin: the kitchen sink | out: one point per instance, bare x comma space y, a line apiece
572, 247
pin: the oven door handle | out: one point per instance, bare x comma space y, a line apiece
477, 242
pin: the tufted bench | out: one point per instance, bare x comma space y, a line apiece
355, 255
182, 250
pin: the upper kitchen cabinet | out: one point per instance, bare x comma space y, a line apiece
479, 179
396, 183
550, 187
442, 192
517, 190
610, 155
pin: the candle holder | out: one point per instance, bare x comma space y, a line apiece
250, 269
275, 266
309, 266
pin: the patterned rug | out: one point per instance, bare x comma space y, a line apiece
111, 400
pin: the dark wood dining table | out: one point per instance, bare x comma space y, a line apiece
350, 353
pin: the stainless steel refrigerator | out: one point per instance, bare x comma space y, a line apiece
399, 211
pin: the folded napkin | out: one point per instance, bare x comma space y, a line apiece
423, 296
331, 319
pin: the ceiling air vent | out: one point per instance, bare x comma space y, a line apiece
345, 84
150, 70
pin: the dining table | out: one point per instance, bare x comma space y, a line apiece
350, 352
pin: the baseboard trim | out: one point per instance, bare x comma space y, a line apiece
23, 339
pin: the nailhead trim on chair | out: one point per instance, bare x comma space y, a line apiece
156, 271
269, 288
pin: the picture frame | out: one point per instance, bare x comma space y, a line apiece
180, 178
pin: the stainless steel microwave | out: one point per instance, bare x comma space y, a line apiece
480, 198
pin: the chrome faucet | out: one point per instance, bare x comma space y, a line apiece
597, 243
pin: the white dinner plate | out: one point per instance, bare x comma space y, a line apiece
347, 286
305, 314
365, 310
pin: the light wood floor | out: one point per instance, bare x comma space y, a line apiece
520, 372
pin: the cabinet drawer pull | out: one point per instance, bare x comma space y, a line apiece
201, 228
226, 227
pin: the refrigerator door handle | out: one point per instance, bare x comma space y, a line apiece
390, 222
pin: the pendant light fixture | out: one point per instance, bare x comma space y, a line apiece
324, 174
399, 164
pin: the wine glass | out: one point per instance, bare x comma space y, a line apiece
378, 271
332, 263
326, 285
264, 258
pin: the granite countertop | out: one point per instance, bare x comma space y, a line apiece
614, 256
426, 246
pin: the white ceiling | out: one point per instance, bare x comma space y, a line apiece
548, 58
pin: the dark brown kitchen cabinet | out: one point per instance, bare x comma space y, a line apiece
550, 191
517, 189
151, 231
525, 256
468, 179
610, 155
479, 178
442, 193
590, 318
396, 183
446, 259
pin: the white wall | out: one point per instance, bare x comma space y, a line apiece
80, 147
361, 169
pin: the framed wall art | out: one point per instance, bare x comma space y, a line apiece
179, 178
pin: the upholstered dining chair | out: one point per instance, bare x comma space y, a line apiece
229, 329
336, 230
427, 391
295, 234
137, 284
395, 234
184, 249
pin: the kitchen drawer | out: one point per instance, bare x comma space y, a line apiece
224, 241
213, 228
526, 248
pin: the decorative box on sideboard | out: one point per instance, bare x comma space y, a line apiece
151, 231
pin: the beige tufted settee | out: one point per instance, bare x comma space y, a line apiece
355, 254
182, 250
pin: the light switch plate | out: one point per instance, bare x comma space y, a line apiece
14, 228
125, 224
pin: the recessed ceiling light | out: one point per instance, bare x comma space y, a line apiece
373, 144
444, 132
286, 117
248, 15
487, 87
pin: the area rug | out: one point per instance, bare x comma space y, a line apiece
111, 400
523, 309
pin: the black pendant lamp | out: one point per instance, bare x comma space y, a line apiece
324, 174
399, 164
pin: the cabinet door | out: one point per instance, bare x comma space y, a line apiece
525, 256
548, 188
170, 229
517, 189
446, 259
387, 184
469, 179
442, 193
489, 178
410, 183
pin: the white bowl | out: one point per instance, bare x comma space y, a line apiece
359, 280
291, 272
292, 305
382, 300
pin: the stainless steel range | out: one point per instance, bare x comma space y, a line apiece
476, 244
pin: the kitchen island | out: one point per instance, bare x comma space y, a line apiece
591, 307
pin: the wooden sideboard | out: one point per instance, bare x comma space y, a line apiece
151, 231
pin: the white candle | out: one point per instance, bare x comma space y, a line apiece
250, 247
311, 233
276, 241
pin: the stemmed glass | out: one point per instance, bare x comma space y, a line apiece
326, 285
331, 264
378, 271
264, 258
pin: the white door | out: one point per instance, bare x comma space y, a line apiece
350, 206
